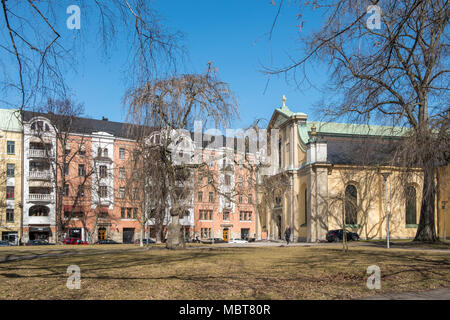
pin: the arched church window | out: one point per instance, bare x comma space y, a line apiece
351, 199
411, 213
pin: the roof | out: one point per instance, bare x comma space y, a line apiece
362, 150
87, 125
10, 120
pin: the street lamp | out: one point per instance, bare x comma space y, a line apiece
445, 226
385, 176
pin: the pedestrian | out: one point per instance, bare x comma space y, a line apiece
287, 234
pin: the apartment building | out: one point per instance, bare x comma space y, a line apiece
10, 175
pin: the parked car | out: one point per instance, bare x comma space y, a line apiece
210, 241
238, 240
145, 241
5, 243
74, 241
107, 241
38, 242
336, 235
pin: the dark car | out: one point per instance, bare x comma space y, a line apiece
38, 242
5, 243
337, 235
107, 241
216, 240
145, 241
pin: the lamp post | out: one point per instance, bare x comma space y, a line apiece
385, 176
445, 226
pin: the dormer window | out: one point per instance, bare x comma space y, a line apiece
40, 125
99, 152
47, 128
105, 152
33, 126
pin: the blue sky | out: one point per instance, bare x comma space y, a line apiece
234, 35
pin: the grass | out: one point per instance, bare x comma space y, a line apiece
314, 272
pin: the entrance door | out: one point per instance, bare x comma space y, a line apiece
128, 235
279, 226
226, 234
102, 233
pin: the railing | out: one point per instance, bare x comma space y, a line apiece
40, 153
44, 175
40, 197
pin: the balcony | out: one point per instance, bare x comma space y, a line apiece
40, 175
44, 197
40, 153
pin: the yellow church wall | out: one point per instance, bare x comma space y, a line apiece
443, 203
371, 201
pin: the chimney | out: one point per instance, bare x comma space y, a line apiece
104, 119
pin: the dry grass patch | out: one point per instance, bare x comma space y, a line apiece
225, 273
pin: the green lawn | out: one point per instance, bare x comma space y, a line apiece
127, 272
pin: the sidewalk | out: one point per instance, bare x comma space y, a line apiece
435, 294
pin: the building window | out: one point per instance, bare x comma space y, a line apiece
205, 215
135, 194
200, 196
81, 170
122, 213
9, 215
103, 172
122, 173
66, 190
226, 216
99, 152
66, 169
10, 193
228, 199
411, 211
205, 233
122, 192
250, 198
81, 191
105, 152
103, 191
10, 170
211, 197
240, 198
11, 147
245, 216
351, 199
135, 213
122, 153
128, 213
240, 182
82, 150
227, 180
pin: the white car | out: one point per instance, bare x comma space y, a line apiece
237, 240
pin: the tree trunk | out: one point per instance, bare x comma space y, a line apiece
175, 238
426, 231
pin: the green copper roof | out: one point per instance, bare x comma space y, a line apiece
285, 110
9, 120
333, 128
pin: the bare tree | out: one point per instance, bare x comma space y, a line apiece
395, 73
170, 106
38, 49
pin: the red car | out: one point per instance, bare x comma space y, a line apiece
74, 241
